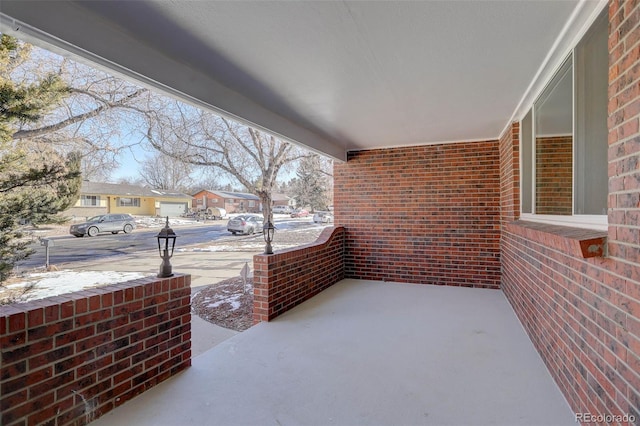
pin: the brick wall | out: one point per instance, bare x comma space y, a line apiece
554, 175
69, 359
289, 277
426, 214
583, 314
510, 174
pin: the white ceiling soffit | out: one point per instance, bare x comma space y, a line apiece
332, 75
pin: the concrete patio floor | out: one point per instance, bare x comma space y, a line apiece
365, 352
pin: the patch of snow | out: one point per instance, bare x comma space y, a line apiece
54, 283
232, 300
159, 222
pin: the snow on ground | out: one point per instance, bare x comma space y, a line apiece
256, 246
231, 299
45, 284
32, 286
159, 222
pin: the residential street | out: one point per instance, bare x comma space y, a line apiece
208, 236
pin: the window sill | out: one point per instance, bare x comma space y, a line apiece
593, 222
577, 242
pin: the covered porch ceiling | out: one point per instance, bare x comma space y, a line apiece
334, 76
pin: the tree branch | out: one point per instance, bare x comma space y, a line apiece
27, 134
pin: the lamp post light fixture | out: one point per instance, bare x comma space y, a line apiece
267, 232
166, 243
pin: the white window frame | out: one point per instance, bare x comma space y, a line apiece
95, 200
598, 222
135, 202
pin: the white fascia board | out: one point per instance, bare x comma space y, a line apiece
578, 23
63, 27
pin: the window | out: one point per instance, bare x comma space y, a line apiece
128, 202
90, 200
564, 138
252, 203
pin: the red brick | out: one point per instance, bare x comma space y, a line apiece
73, 349
49, 330
35, 317
17, 322
51, 313
29, 407
67, 309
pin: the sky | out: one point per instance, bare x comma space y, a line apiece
125, 134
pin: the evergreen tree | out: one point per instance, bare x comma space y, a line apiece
36, 182
311, 184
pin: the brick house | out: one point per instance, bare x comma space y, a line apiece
278, 199
561, 243
232, 202
236, 202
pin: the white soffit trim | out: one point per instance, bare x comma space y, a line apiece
581, 19
413, 145
229, 103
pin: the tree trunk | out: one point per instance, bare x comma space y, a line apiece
265, 199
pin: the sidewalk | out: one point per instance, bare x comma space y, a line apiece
206, 268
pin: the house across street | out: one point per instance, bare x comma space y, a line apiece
101, 198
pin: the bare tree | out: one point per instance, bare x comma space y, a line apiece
102, 116
253, 158
99, 118
161, 171
130, 180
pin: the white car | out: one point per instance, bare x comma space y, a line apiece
245, 224
282, 209
322, 217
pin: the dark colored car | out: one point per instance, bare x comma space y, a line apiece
245, 224
113, 223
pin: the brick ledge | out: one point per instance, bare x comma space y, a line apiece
578, 242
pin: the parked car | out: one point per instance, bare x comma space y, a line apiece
323, 217
300, 213
113, 223
214, 213
282, 209
245, 224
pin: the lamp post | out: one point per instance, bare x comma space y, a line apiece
267, 231
166, 243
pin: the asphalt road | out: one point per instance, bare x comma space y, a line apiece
68, 249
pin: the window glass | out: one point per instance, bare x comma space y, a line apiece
592, 81
564, 137
128, 202
90, 200
526, 140
553, 113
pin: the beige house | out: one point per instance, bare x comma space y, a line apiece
99, 198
